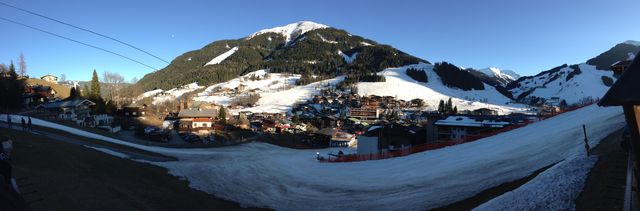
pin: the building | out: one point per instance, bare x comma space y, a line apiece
484, 112
197, 119
624, 92
336, 138
367, 114
381, 139
458, 128
133, 110
619, 66
50, 78
73, 110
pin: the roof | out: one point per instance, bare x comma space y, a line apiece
465, 121
327, 131
198, 113
66, 103
49, 75
624, 91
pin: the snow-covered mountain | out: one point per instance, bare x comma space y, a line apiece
507, 75
571, 83
291, 31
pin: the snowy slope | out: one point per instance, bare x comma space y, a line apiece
348, 59
586, 84
264, 175
508, 75
160, 96
632, 42
291, 31
222, 56
398, 84
277, 91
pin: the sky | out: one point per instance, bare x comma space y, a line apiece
524, 36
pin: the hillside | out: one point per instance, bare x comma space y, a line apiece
573, 83
302, 47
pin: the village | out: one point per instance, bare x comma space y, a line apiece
375, 127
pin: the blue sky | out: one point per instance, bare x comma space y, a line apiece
525, 36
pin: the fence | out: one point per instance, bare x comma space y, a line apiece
443, 143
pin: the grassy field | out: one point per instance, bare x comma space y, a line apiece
73, 177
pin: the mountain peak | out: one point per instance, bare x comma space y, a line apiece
291, 31
497, 72
632, 42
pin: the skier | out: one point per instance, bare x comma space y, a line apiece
24, 124
9, 120
5, 166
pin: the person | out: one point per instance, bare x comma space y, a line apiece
9, 121
5, 167
30, 125
340, 152
23, 123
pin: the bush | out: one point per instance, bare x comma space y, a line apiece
418, 75
246, 100
607, 81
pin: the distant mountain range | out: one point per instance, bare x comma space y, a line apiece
322, 51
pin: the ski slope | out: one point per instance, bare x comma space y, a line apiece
400, 85
264, 175
220, 58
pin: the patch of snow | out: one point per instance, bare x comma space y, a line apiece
557, 188
366, 43
632, 42
291, 31
149, 94
631, 56
264, 175
109, 152
400, 85
325, 40
174, 93
222, 56
348, 59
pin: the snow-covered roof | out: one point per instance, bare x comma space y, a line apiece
465, 121
66, 103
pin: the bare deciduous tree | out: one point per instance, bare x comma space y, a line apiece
22, 65
134, 80
113, 82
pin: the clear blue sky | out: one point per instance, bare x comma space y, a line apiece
525, 36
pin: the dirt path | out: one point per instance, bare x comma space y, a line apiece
604, 188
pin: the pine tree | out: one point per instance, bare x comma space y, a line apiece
441, 107
222, 115
95, 85
455, 110
73, 93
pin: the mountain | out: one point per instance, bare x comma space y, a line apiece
494, 76
301, 48
573, 83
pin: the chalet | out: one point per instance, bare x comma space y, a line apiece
69, 109
336, 138
197, 120
133, 110
381, 139
50, 78
624, 92
484, 112
459, 127
619, 66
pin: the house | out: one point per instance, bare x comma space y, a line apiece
624, 92
336, 138
68, 109
385, 138
37, 94
50, 78
619, 66
458, 128
197, 119
484, 112
133, 110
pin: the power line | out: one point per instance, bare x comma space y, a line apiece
84, 29
76, 41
